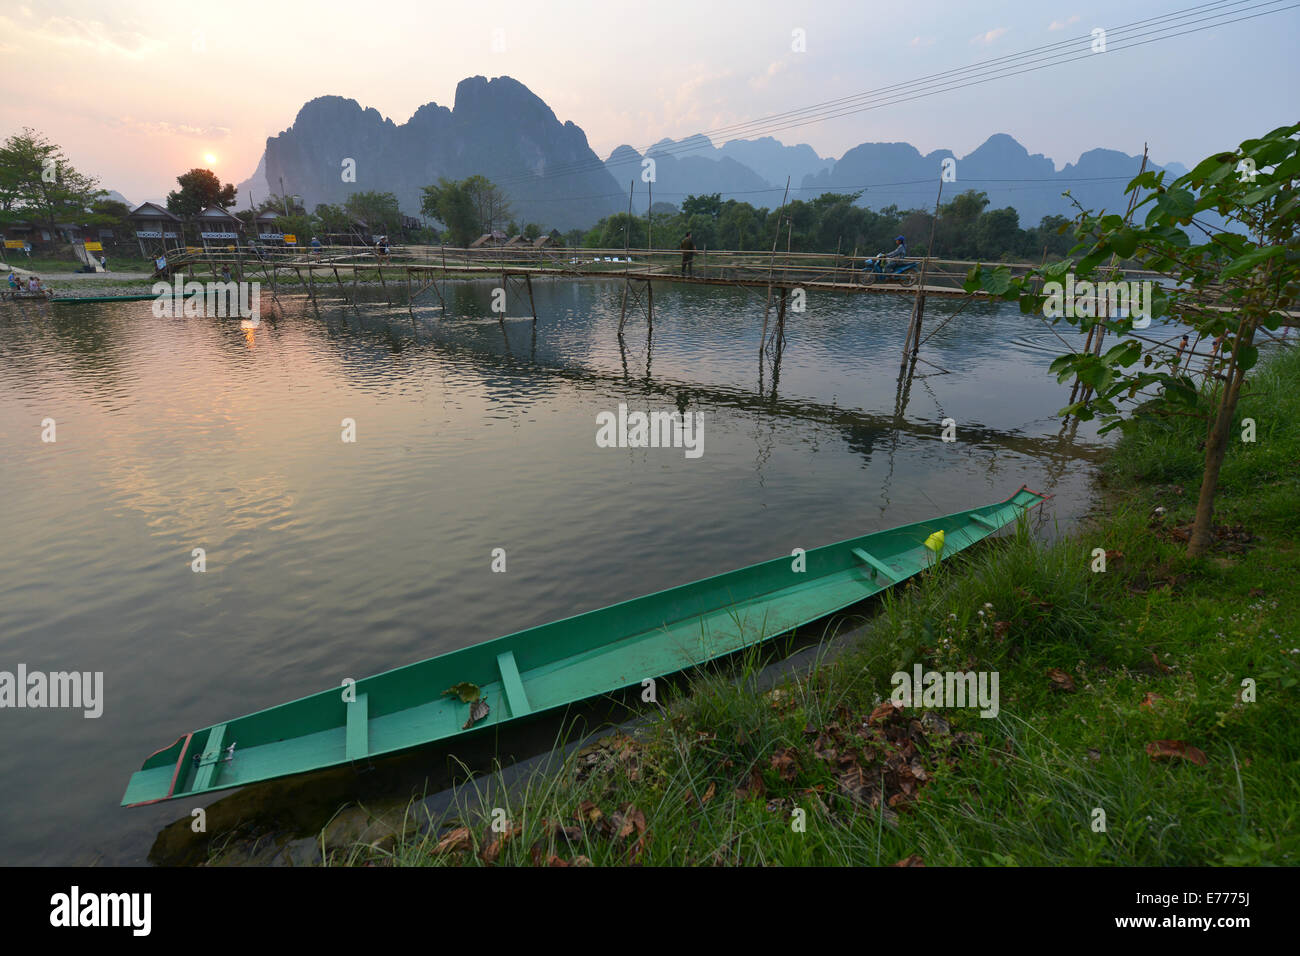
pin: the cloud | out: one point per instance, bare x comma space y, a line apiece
990, 36
764, 79
922, 41
83, 35
1062, 24
163, 128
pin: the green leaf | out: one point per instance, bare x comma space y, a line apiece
1262, 193
1251, 259
1247, 356
1174, 204
999, 282
1213, 164
1124, 242
467, 692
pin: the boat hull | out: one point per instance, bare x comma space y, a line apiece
556, 664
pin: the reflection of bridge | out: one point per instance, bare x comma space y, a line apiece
862, 430
787, 276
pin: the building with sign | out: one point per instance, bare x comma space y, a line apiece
156, 229
218, 228
265, 228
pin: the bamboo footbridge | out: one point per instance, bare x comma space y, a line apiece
412, 271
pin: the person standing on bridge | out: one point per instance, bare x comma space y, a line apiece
688, 254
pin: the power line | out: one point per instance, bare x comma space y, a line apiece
891, 95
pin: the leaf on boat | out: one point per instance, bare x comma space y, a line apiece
935, 542
477, 711
467, 692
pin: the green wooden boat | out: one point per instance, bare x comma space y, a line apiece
559, 663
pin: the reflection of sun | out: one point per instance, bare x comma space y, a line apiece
209, 158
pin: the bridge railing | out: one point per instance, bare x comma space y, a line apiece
742, 266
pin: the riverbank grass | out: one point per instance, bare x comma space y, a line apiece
1148, 714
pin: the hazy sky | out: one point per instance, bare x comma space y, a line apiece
138, 91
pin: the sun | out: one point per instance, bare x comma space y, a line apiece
209, 157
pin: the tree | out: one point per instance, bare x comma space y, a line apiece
379, 211
300, 226
532, 231
452, 204
709, 205
1226, 286
998, 233
282, 205
491, 204
111, 214
38, 183
617, 232
200, 188
333, 219
737, 225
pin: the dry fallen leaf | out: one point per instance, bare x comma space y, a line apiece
477, 711
785, 763
709, 793
1169, 749
753, 788
885, 712
913, 860
1149, 700
1164, 668
1060, 679
455, 841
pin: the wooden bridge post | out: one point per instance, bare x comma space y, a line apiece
762, 341
918, 306
528, 281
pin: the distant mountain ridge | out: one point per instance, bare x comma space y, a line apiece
497, 128
502, 130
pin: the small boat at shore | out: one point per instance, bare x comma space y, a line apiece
20, 295
483, 686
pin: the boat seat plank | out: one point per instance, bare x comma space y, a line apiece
357, 743
514, 687
980, 519
210, 762
875, 563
